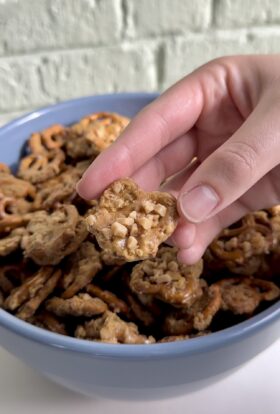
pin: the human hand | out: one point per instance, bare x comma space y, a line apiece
227, 115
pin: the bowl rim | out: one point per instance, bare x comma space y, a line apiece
67, 104
168, 350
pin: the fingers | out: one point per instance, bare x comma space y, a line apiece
170, 160
184, 236
170, 116
234, 167
193, 241
191, 250
174, 184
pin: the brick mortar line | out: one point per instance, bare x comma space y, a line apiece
87, 48
130, 42
212, 14
124, 19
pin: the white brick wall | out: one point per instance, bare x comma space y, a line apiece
52, 50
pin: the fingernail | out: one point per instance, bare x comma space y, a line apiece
78, 184
198, 203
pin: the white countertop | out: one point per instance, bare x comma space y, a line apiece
253, 389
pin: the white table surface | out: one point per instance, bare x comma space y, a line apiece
253, 389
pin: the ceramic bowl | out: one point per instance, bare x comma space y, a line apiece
124, 371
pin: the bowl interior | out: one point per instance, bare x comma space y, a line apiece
12, 140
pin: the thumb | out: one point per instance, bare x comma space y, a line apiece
232, 169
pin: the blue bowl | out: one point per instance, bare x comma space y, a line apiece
124, 371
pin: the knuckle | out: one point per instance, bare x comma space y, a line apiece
162, 127
239, 161
126, 165
220, 61
160, 167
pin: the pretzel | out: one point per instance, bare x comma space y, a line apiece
274, 212
242, 295
173, 338
47, 140
241, 248
140, 312
6, 284
38, 168
10, 215
11, 276
11, 242
60, 189
19, 190
206, 307
167, 279
178, 322
269, 291
114, 303
94, 133
197, 317
143, 308
52, 236
78, 146
29, 296
4, 168
47, 320
112, 274
84, 265
110, 328
130, 223
16, 201
151, 304
110, 259
80, 305
9, 219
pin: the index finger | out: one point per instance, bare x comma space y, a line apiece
165, 119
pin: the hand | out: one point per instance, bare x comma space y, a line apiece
227, 114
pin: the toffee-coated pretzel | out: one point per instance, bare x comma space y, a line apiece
167, 279
79, 305
4, 168
47, 320
242, 295
10, 215
243, 247
38, 168
60, 189
28, 297
52, 236
114, 303
101, 129
84, 264
11, 242
110, 328
20, 190
49, 139
130, 222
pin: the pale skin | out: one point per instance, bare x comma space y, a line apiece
227, 114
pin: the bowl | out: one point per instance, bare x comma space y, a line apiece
124, 371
